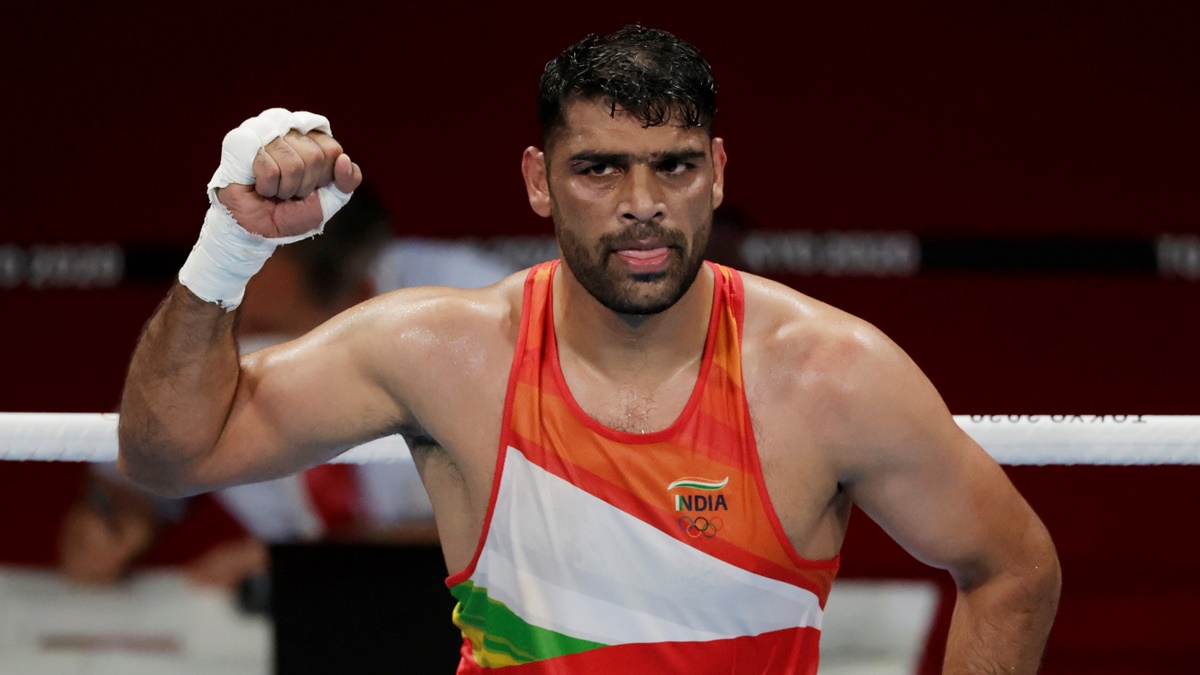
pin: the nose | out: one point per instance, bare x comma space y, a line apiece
642, 201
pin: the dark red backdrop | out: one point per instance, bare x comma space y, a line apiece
956, 118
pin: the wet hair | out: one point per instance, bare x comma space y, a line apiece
335, 262
650, 73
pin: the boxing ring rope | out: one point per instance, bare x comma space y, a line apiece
92, 437
1010, 439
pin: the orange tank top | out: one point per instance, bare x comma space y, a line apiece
613, 552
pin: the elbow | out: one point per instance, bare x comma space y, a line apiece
1038, 568
1034, 588
1047, 574
1030, 576
156, 478
157, 466
137, 473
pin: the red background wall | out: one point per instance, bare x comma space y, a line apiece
1020, 118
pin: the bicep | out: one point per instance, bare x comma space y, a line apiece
301, 403
949, 505
928, 484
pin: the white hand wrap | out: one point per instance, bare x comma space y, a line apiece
226, 255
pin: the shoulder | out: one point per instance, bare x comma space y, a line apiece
828, 347
850, 384
436, 315
431, 332
442, 354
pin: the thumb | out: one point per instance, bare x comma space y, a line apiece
346, 174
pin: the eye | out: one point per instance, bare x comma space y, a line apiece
675, 167
599, 170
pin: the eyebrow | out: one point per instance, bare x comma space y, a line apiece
621, 158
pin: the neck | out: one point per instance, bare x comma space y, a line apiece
629, 346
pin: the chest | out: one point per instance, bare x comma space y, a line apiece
637, 405
607, 423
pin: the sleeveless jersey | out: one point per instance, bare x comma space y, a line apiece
612, 552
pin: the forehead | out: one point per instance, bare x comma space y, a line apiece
591, 125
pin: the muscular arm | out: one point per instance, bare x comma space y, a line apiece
909, 466
178, 390
192, 416
195, 417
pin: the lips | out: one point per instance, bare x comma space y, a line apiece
644, 260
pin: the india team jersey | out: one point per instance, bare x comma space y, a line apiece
613, 552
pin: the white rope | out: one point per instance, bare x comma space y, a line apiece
1011, 439
1086, 439
92, 437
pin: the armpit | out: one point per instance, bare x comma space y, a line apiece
418, 439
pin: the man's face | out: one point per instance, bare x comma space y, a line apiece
632, 205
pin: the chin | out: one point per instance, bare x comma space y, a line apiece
643, 308
644, 294
622, 290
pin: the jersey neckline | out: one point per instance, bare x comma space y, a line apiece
694, 399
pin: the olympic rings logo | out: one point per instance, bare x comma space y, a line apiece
701, 526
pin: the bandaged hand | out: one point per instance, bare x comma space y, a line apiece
281, 177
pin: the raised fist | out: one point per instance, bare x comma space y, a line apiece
282, 174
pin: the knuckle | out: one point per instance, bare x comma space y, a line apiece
328, 145
291, 181
304, 147
279, 146
289, 164
311, 153
265, 167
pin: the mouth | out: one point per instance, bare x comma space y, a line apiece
643, 257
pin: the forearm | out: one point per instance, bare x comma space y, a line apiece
178, 391
273, 187
1001, 625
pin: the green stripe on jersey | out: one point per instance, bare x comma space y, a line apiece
500, 637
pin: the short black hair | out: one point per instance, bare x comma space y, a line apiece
650, 73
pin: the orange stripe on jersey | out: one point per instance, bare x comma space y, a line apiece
711, 438
604, 549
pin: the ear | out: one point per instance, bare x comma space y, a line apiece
533, 167
718, 154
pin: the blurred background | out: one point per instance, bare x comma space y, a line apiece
1009, 190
